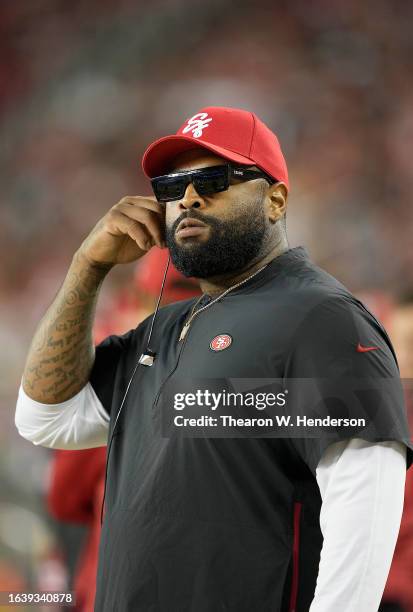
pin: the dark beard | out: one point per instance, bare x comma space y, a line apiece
231, 246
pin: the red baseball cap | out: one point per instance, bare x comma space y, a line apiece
236, 135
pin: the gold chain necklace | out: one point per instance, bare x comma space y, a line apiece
193, 314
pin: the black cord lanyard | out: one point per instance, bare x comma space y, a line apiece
146, 359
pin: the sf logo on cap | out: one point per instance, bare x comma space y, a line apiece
221, 342
196, 124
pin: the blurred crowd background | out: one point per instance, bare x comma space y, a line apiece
86, 86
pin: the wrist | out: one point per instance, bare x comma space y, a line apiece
100, 268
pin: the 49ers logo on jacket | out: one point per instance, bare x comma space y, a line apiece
221, 342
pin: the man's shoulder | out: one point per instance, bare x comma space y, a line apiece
331, 300
329, 304
309, 286
310, 293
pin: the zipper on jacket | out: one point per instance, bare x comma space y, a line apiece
173, 370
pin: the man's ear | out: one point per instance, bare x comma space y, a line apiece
277, 201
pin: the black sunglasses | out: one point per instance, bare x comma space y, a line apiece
206, 181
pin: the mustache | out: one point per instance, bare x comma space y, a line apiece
194, 215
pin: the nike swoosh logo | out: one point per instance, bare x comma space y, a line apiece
365, 349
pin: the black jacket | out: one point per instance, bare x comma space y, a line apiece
211, 524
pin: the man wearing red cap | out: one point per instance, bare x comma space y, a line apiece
231, 518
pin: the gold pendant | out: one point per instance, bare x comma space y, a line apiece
184, 331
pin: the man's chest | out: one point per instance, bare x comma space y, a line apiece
248, 339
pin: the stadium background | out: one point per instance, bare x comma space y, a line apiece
85, 86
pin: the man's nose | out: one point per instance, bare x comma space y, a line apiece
191, 199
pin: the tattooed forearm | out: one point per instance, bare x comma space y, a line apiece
62, 352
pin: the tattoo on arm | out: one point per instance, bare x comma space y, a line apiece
62, 352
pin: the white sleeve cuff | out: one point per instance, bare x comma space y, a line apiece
77, 423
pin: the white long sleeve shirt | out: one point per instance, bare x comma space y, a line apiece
361, 485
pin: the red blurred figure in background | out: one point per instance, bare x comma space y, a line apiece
77, 477
75, 496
